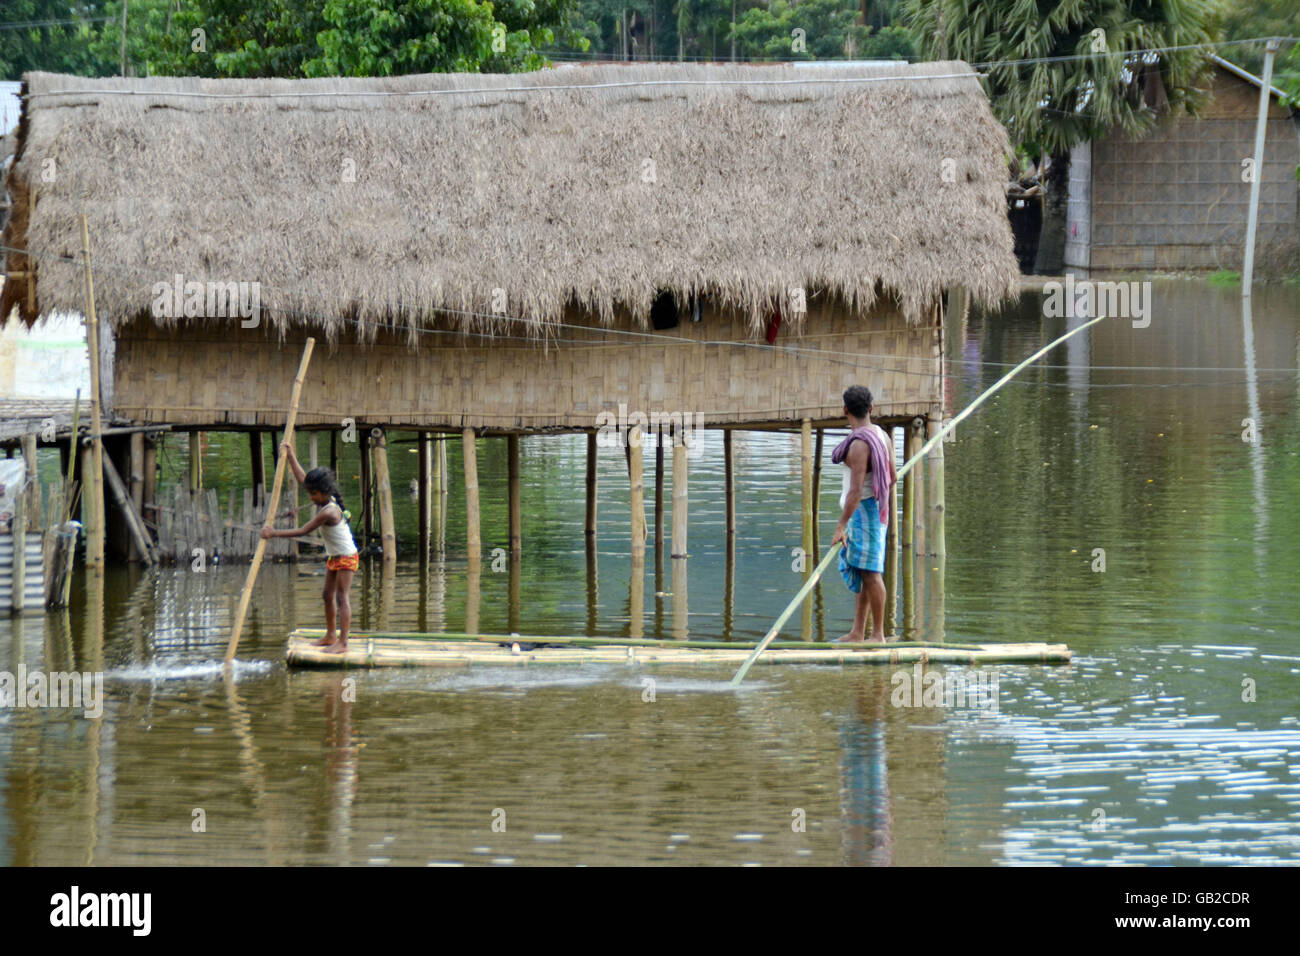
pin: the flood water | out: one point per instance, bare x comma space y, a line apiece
1173, 737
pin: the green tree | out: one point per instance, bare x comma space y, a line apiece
1251, 20
813, 30
1062, 73
54, 35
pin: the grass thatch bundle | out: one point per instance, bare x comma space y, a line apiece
595, 186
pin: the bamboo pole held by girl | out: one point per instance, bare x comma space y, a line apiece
246, 595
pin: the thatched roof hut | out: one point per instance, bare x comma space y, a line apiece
378, 209
597, 186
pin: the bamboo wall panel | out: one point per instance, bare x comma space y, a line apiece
211, 376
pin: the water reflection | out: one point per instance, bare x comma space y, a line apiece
1134, 447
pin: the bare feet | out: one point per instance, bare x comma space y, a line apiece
877, 639
325, 641
341, 647
849, 638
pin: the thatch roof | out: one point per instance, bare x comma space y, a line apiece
595, 186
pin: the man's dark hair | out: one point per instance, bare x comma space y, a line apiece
857, 399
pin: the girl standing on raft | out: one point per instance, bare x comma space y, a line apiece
340, 550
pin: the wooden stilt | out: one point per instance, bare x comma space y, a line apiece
256, 465
891, 553
593, 588
440, 481
589, 524
920, 506
195, 441
473, 584
18, 532
908, 535
384, 495
92, 517
424, 491
134, 524
473, 544
135, 484
729, 482
93, 485
28, 443
729, 589
636, 595
148, 506
806, 539
367, 489
514, 592
938, 547
334, 452
817, 491
637, 483
515, 515
659, 507
313, 445
680, 495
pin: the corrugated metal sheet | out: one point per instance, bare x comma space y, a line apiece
34, 583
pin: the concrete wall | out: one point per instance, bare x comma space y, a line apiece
1176, 200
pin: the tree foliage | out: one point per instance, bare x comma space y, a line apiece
1060, 73
257, 38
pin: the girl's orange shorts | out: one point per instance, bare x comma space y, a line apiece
344, 562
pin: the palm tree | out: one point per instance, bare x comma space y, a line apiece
1062, 72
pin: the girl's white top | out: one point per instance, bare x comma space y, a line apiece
338, 537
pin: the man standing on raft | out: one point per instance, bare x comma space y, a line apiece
869, 474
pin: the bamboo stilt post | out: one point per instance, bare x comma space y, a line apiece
920, 508
516, 515
334, 452
28, 443
18, 530
473, 543
593, 588
149, 472
440, 487
938, 547
659, 502
92, 518
637, 486
134, 524
473, 591
729, 482
424, 491
589, 522
256, 465
817, 489
680, 494
806, 538
247, 594
891, 555
135, 484
384, 495
93, 492
313, 445
908, 535
196, 461
367, 489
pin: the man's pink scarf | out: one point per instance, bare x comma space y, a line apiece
881, 474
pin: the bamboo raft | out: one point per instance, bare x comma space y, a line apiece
367, 650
